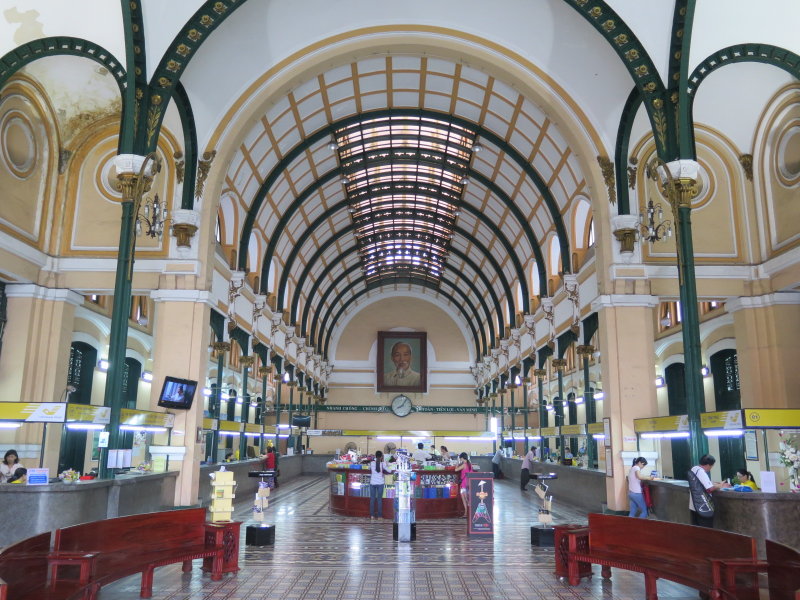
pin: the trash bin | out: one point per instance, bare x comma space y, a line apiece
259, 535
413, 531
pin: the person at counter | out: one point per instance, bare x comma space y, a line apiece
497, 460
464, 467
701, 471
525, 472
420, 454
9, 466
20, 476
745, 478
376, 482
635, 492
447, 456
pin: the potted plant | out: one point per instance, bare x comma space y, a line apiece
69, 476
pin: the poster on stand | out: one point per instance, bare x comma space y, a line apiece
480, 502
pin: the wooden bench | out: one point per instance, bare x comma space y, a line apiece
783, 572
140, 543
24, 569
660, 550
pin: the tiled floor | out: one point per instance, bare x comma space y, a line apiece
318, 555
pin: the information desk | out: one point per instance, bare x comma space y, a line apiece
436, 493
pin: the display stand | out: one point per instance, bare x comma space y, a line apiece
222, 494
226, 535
480, 505
543, 535
404, 528
261, 534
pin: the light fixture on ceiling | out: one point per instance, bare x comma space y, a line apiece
666, 321
103, 364
464, 180
344, 180
332, 145
477, 147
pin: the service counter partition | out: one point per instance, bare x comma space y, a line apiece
774, 516
32, 509
436, 493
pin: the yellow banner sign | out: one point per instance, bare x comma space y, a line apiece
576, 429
654, 424
593, 428
147, 418
33, 412
532, 432
270, 429
723, 419
549, 431
252, 428
772, 417
230, 426
210, 424
88, 413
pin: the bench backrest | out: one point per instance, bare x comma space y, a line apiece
148, 532
23, 566
783, 571
671, 540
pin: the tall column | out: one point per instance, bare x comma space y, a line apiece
135, 175
181, 336
247, 363
679, 180
35, 357
221, 348
626, 332
584, 352
768, 348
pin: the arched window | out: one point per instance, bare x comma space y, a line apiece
590, 236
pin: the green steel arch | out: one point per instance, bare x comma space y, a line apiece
341, 205
379, 284
353, 249
465, 298
327, 131
13, 60
190, 150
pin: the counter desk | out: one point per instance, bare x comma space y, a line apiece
34, 509
757, 514
436, 493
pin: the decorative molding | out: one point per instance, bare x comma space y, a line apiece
180, 166
746, 160
198, 296
607, 168
38, 292
624, 301
203, 167
632, 167
777, 299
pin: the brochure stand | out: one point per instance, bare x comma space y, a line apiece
542, 535
261, 534
222, 494
404, 528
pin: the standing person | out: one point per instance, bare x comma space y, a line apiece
464, 467
635, 493
10, 464
525, 472
446, 458
497, 460
701, 471
377, 470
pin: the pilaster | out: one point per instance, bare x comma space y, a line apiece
626, 331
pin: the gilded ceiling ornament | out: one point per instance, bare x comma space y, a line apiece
203, 166
206, 21
194, 35
632, 54
746, 161
621, 39
607, 168
219, 8
179, 165
632, 166
609, 26
183, 49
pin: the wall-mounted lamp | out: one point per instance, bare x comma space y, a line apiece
286, 378
147, 376
103, 364
705, 371
660, 382
598, 395
207, 392
578, 399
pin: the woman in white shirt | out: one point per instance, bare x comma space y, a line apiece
376, 482
9, 465
635, 494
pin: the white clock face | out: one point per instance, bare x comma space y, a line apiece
401, 405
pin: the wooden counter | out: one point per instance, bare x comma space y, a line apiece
436, 494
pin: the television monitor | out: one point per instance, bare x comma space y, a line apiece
177, 393
301, 421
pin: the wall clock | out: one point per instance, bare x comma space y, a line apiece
401, 405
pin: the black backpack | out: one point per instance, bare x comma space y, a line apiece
703, 504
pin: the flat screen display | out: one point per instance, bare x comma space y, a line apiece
177, 393
301, 421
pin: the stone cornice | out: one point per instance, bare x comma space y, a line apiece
31, 290
624, 300
745, 302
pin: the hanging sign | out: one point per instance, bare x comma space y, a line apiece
33, 412
576, 429
147, 418
593, 428
549, 431
88, 413
772, 417
723, 419
661, 424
